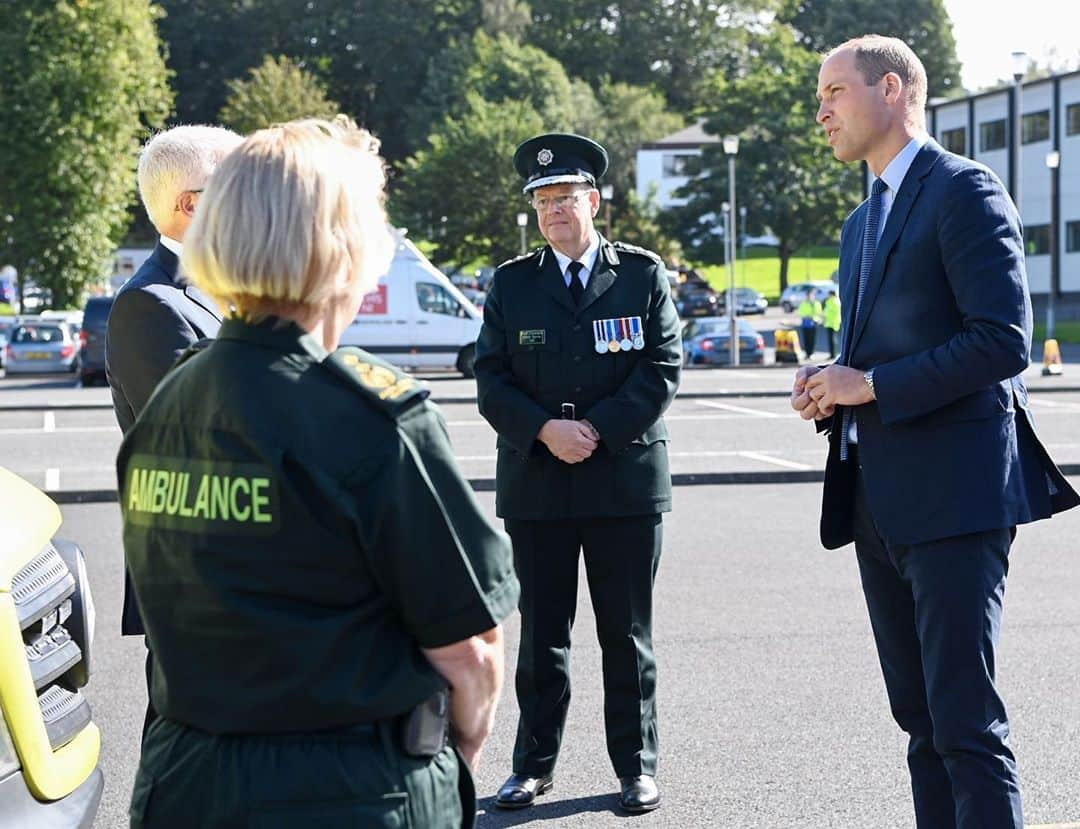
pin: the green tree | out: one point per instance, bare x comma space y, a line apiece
277, 91
80, 83
923, 24
786, 175
461, 192
639, 223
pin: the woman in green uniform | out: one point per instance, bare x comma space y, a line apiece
313, 571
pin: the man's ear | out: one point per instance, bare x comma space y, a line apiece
185, 203
894, 87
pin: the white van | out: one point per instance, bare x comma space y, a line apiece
417, 318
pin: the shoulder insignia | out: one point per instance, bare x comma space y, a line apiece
648, 254
387, 387
524, 257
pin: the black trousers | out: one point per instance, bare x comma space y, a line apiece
935, 609
621, 558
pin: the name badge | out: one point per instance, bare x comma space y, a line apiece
536, 336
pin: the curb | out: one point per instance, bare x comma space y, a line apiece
780, 476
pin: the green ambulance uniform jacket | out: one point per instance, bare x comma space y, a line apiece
297, 529
536, 351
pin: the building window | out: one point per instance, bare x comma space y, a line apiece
1072, 119
1035, 126
955, 141
677, 166
1072, 237
992, 135
1037, 240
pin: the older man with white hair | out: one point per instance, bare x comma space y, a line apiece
157, 315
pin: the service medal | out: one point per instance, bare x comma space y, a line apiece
598, 336
639, 338
624, 329
613, 343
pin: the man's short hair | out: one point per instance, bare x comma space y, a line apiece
179, 159
877, 55
291, 219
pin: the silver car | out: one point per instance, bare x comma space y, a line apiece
40, 347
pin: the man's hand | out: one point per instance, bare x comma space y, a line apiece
836, 386
571, 441
801, 401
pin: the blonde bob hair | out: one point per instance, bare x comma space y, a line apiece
291, 219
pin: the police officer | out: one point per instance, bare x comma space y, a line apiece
321, 590
578, 358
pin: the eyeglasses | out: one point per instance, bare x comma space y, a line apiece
542, 204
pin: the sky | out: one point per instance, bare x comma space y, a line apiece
987, 32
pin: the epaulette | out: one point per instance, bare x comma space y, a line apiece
648, 254
386, 387
525, 256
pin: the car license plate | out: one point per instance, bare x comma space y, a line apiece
38, 355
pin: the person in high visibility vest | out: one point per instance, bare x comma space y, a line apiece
810, 311
831, 320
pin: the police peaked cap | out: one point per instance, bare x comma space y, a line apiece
559, 158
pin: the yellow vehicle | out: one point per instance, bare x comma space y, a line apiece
49, 775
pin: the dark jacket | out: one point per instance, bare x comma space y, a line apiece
949, 446
154, 318
537, 351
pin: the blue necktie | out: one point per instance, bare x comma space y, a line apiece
575, 286
866, 263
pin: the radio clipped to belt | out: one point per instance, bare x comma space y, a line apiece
425, 731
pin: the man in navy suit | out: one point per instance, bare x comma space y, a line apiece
157, 315
933, 458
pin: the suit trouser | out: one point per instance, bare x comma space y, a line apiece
621, 557
935, 609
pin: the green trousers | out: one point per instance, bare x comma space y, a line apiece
189, 779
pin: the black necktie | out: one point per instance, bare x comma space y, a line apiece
575, 286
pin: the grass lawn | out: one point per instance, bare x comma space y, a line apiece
1064, 332
760, 269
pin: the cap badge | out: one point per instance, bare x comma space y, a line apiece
545, 157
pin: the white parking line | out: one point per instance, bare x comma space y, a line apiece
1053, 404
50, 422
1054, 826
55, 431
52, 479
727, 407
757, 456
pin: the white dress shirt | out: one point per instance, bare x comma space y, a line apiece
587, 259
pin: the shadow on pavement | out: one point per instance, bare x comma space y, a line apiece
491, 817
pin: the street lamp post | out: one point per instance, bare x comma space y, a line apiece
607, 193
731, 149
523, 222
1053, 161
742, 239
1019, 67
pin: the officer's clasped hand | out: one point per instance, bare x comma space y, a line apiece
571, 441
801, 399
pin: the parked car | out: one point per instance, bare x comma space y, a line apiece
42, 346
698, 302
49, 744
475, 296
707, 342
749, 301
92, 336
794, 294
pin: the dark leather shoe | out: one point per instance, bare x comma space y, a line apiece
639, 794
520, 791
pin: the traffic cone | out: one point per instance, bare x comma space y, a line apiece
1052, 366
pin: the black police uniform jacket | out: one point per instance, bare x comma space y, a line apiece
536, 351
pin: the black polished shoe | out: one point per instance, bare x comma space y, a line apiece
639, 794
520, 790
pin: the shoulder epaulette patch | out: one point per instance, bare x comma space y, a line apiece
655, 257
390, 389
531, 254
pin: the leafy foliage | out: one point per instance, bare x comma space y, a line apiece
278, 90
80, 83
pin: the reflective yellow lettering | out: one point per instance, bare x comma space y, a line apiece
260, 499
237, 513
185, 509
219, 498
134, 481
202, 499
161, 490
176, 492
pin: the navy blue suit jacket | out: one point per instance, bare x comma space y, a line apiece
949, 446
154, 318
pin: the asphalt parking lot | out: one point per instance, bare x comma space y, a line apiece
773, 713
